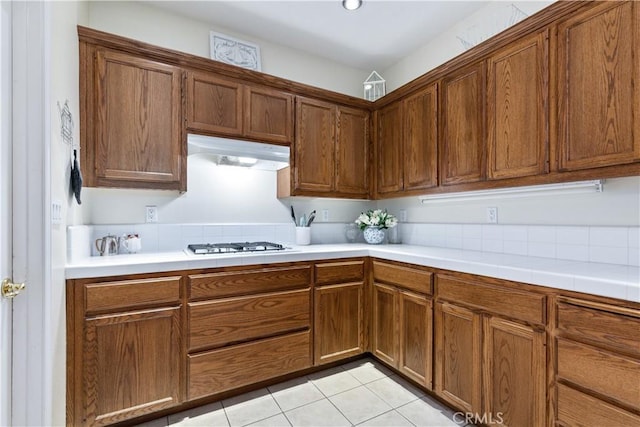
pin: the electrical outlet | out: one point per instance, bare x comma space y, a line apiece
403, 215
56, 212
492, 215
151, 214
325, 215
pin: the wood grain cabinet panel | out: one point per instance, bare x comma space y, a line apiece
214, 104
132, 365
352, 152
236, 366
338, 325
314, 145
268, 115
597, 369
133, 136
458, 356
389, 153
231, 320
384, 329
461, 144
517, 109
416, 343
514, 373
419, 158
599, 94
328, 273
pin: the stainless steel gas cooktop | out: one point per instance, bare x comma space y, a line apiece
223, 248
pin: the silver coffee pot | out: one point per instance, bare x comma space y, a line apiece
108, 245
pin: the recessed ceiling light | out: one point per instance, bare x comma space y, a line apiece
351, 4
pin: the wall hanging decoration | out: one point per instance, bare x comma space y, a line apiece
66, 132
374, 87
232, 51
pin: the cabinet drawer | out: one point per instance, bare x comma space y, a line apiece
579, 409
409, 278
339, 272
230, 283
520, 305
220, 322
617, 330
602, 372
104, 297
232, 367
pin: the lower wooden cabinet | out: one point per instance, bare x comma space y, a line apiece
597, 356
486, 364
338, 311
402, 320
124, 361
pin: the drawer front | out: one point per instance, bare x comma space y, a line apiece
409, 278
232, 367
106, 297
339, 272
602, 372
521, 305
220, 322
614, 330
579, 409
232, 283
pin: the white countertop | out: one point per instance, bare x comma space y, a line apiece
610, 280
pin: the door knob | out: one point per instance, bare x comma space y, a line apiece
10, 289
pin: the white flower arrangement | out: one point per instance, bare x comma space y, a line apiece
376, 218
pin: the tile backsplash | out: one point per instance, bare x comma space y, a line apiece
611, 245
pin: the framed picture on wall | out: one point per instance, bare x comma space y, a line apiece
232, 51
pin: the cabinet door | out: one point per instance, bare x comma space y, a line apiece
352, 152
514, 373
385, 325
338, 322
599, 94
138, 134
314, 145
389, 149
416, 323
462, 140
268, 115
133, 364
214, 105
517, 109
458, 356
420, 140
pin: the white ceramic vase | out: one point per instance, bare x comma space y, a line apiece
373, 235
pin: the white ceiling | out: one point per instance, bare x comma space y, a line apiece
375, 36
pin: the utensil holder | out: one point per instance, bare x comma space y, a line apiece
303, 236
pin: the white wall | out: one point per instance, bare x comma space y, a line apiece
617, 205
64, 85
157, 26
479, 26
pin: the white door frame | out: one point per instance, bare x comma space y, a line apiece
33, 327
5, 212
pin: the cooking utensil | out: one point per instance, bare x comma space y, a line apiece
312, 216
108, 245
293, 216
76, 177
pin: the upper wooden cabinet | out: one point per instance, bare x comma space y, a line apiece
226, 107
462, 153
407, 144
598, 86
131, 133
330, 152
389, 149
518, 109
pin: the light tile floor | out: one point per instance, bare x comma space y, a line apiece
359, 393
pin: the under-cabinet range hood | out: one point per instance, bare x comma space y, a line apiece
233, 152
